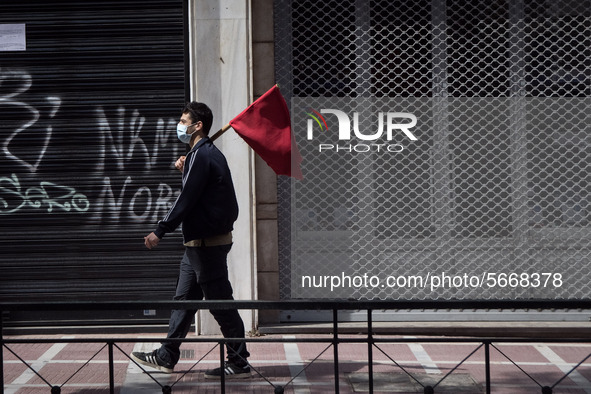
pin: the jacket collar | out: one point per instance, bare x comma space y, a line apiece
200, 143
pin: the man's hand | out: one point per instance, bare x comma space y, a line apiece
151, 241
180, 163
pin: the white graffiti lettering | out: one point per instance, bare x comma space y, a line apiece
115, 141
137, 203
14, 198
8, 99
121, 141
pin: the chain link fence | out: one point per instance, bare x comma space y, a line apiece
491, 201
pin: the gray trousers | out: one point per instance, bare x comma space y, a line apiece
204, 275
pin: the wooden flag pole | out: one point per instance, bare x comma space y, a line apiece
220, 132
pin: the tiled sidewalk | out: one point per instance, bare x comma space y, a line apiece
280, 363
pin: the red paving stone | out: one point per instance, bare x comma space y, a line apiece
571, 353
278, 363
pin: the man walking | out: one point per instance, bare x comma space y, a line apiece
207, 209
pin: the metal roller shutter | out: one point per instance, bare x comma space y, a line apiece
90, 94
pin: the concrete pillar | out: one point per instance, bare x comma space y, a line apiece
221, 76
266, 180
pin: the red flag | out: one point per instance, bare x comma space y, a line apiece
266, 126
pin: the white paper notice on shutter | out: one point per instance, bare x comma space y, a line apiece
12, 37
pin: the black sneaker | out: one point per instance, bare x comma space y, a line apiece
231, 371
151, 360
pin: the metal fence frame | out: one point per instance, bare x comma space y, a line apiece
332, 340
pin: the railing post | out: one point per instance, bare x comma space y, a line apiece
370, 349
222, 369
487, 365
2, 351
335, 341
111, 369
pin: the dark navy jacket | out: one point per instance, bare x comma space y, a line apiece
207, 204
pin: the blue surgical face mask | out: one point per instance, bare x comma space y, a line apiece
181, 132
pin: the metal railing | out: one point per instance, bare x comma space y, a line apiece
333, 340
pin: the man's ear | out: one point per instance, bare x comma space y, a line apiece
192, 128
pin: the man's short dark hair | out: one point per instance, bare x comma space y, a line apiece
199, 112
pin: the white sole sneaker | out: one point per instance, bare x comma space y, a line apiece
150, 361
